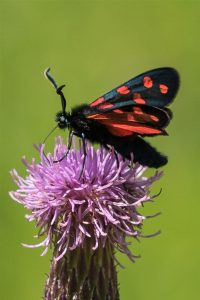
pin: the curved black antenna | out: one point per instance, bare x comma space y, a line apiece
58, 89
50, 133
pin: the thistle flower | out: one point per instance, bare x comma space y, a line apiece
85, 218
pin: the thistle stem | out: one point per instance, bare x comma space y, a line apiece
83, 274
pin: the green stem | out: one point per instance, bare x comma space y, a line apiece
83, 274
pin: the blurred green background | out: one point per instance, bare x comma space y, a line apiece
92, 46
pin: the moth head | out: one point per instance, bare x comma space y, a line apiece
62, 118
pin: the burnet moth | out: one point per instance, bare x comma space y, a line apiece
124, 116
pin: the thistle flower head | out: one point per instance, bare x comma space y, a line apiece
100, 206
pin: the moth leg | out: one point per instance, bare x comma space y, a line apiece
116, 157
84, 153
114, 151
71, 134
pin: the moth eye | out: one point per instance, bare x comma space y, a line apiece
62, 119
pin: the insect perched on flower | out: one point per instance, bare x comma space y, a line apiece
123, 116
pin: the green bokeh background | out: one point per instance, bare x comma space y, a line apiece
94, 46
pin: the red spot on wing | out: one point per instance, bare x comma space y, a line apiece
125, 127
148, 82
138, 99
107, 116
123, 90
97, 101
99, 117
119, 131
148, 130
136, 128
118, 111
106, 105
154, 118
163, 88
138, 111
131, 118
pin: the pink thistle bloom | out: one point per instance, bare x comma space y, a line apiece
97, 208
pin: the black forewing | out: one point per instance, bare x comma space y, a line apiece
156, 87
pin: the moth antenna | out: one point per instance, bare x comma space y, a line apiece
50, 78
58, 89
50, 133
